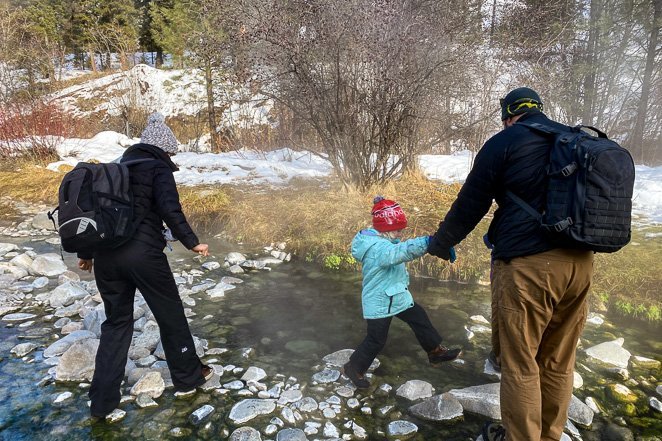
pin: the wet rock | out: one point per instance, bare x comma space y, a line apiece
339, 358
622, 393
326, 376
235, 269
655, 404
246, 410
61, 345
23, 349
115, 416
145, 401
7, 248
592, 404
383, 411
331, 431
210, 266
290, 396
577, 380
595, 319
254, 373
213, 383
71, 327
307, 404
234, 385
271, 429
253, 264
291, 435
77, 362
616, 433
40, 282
347, 392
22, 261
610, 353
488, 369
401, 429
49, 265
442, 407
572, 430
415, 390
647, 363
235, 258
288, 415
61, 398
151, 384
66, 294
201, 414
353, 403
579, 412
18, 317
329, 413
247, 434
483, 399
658, 389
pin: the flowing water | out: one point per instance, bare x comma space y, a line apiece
292, 316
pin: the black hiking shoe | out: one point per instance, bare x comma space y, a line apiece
494, 361
207, 372
493, 432
359, 380
442, 353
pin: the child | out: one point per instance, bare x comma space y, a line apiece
385, 290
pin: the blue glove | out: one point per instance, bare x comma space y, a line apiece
453, 256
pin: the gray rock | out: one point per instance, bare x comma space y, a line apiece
442, 407
290, 396
401, 428
592, 404
353, 403
577, 380
42, 222
331, 431
326, 376
483, 399
115, 416
49, 265
655, 404
66, 294
234, 385
61, 398
247, 434
235, 258
18, 317
201, 414
610, 353
307, 404
61, 345
151, 383
616, 433
415, 390
68, 276
246, 410
580, 413
210, 266
93, 321
347, 392
7, 248
22, 261
291, 435
339, 358
658, 389
23, 349
235, 269
231, 280
144, 401
40, 282
77, 362
287, 415
253, 264
254, 373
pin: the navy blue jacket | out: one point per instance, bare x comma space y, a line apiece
514, 159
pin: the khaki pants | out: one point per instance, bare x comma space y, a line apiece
541, 311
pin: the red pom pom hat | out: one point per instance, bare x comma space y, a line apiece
387, 215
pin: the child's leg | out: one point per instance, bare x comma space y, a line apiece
371, 345
418, 321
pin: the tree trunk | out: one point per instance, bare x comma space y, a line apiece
159, 58
211, 112
93, 63
590, 62
636, 145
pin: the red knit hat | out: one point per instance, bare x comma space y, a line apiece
387, 215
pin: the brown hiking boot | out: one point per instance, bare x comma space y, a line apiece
358, 379
442, 353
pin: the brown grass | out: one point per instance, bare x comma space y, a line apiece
28, 182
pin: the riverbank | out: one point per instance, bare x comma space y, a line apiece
318, 218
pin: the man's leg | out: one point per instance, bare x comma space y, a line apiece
523, 313
116, 334
155, 281
556, 358
372, 344
419, 322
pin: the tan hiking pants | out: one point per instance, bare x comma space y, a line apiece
541, 311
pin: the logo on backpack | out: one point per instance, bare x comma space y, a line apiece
95, 206
590, 181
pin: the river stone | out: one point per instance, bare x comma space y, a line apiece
291, 435
210, 266
22, 261
18, 317
42, 222
401, 429
290, 396
330, 430
7, 248
77, 362
246, 410
415, 390
339, 358
61, 345
94, 319
622, 393
307, 404
610, 353
68, 276
66, 294
64, 396
72, 327
579, 412
8, 309
326, 376
254, 373
235, 258
115, 416
23, 349
592, 404
235, 269
442, 407
253, 264
201, 414
231, 280
612, 432
654, 403
288, 415
151, 384
353, 403
145, 401
247, 434
645, 362
577, 380
482, 399
595, 319
40, 282
49, 265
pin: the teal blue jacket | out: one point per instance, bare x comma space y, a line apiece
385, 277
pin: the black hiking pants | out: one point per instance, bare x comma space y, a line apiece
374, 342
118, 273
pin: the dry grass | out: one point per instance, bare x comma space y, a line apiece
22, 180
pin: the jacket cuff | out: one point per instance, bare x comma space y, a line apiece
85, 256
189, 241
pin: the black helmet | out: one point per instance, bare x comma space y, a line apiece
518, 101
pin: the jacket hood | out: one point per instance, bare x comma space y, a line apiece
365, 239
140, 151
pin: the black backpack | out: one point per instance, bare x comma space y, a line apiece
95, 207
588, 202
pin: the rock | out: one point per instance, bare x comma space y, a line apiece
654, 403
49, 265
42, 222
610, 353
353, 403
488, 369
248, 434
577, 380
401, 429
246, 410
339, 358
347, 392
483, 399
442, 407
308, 404
150, 384
61, 345
201, 414
326, 376
22, 261
71, 327
254, 374
145, 401
115, 415
592, 404
415, 390
23, 349
77, 362
612, 432
64, 396
595, 319
234, 385
579, 412
7, 248
68, 276
66, 294
235, 269
235, 258
331, 431
647, 363
92, 321
288, 415
210, 266
658, 389
290, 396
291, 435
622, 393
572, 430
18, 317
40, 282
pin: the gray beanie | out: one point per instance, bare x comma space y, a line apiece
158, 134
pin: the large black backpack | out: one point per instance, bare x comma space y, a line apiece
95, 207
590, 180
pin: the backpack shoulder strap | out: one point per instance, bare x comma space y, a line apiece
543, 128
136, 161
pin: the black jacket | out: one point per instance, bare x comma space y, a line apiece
514, 159
156, 199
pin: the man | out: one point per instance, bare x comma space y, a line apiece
539, 289
140, 263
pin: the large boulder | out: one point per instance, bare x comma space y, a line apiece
610, 354
61, 345
49, 265
415, 390
66, 294
151, 384
77, 362
93, 320
442, 407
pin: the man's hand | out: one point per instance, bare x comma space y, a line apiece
435, 248
202, 249
86, 264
